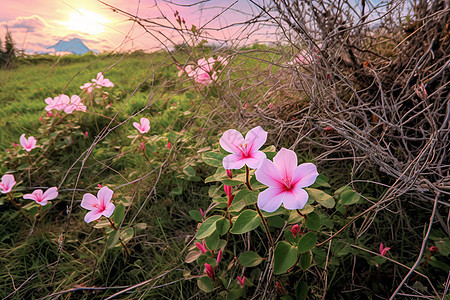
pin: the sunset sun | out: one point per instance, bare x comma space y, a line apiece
86, 21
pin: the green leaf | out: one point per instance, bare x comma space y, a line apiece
285, 257
301, 290
250, 259
213, 158
349, 197
307, 242
242, 199
126, 234
196, 215
205, 284
192, 256
222, 226
212, 241
321, 181
119, 213
189, 171
113, 239
305, 260
246, 221
313, 221
177, 191
321, 197
189, 96
207, 227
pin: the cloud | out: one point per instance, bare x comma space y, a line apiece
33, 23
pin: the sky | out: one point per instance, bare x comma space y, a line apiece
37, 24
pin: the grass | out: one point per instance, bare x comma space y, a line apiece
156, 186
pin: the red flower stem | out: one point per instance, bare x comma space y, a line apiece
263, 220
111, 223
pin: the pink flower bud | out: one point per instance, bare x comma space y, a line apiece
383, 250
86, 134
219, 256
227, 190
142, 145
433, 249
49, 114
169, 145
201, 247
99, 185
229, 174
209, 271
241, 280
202, 213
40, 118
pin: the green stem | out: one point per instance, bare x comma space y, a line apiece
127, 252
263, 220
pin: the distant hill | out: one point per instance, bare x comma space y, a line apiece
75, 46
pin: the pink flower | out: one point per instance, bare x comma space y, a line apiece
98, 206
295, 229
244, 151
241, 280
52, 103
383, 250
201, 247
169, 145
7, 183
144, 126
285, 180
28, 144
42, 198
209, 271
86, 134
89, 87
15, 145
100, 80
73, 104
219, 256
180, 71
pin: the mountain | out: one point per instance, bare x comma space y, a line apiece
75, 46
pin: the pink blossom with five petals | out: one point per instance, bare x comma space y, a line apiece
7, 183
100, 80
144, 126
285, 180
28, 144
41, 197
98, 206
244, 151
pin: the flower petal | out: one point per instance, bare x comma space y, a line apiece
50, 194
89, 202
109, 209
268, 174
286, 162
255, 159
233, 161
270, 200
305, 175
230, 141
145, 122
104, 196
33, 196
255, 138
295, 198
23, 140
92, 215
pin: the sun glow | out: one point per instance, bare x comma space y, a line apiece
86, 21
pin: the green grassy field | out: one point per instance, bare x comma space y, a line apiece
160, 188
